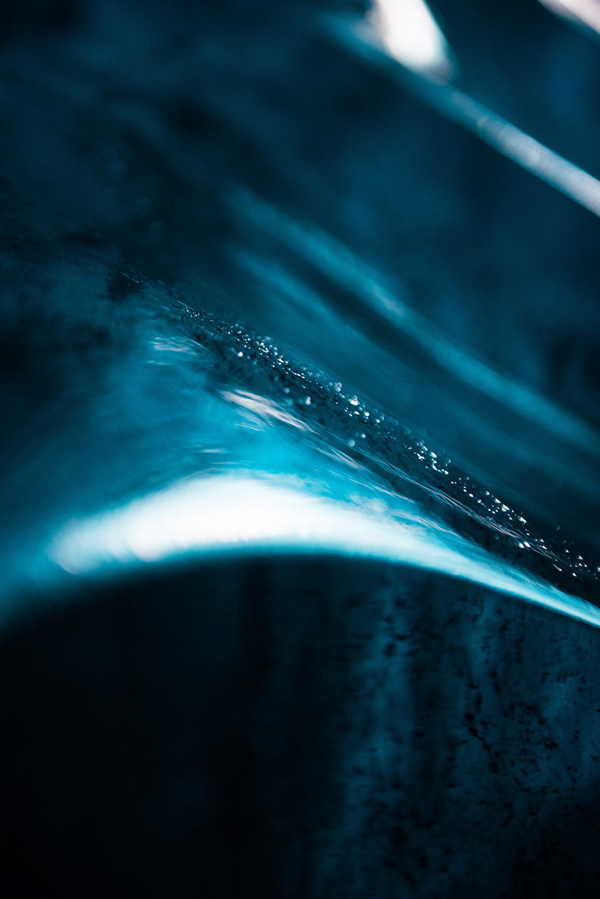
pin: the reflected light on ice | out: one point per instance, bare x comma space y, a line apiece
532, 155
238, 513
263, 408
584, 12
509, 140
411, 35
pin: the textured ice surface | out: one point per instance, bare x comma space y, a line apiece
299, 456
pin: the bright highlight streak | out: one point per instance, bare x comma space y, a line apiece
263, 408
585, 12
509, 140
236, 513
411, 35
523, 149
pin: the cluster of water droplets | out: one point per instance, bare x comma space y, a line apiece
338, 423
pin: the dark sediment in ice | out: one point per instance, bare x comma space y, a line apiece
298, 726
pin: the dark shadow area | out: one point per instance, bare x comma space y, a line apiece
297, 726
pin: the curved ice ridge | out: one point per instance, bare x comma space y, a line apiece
238, 513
